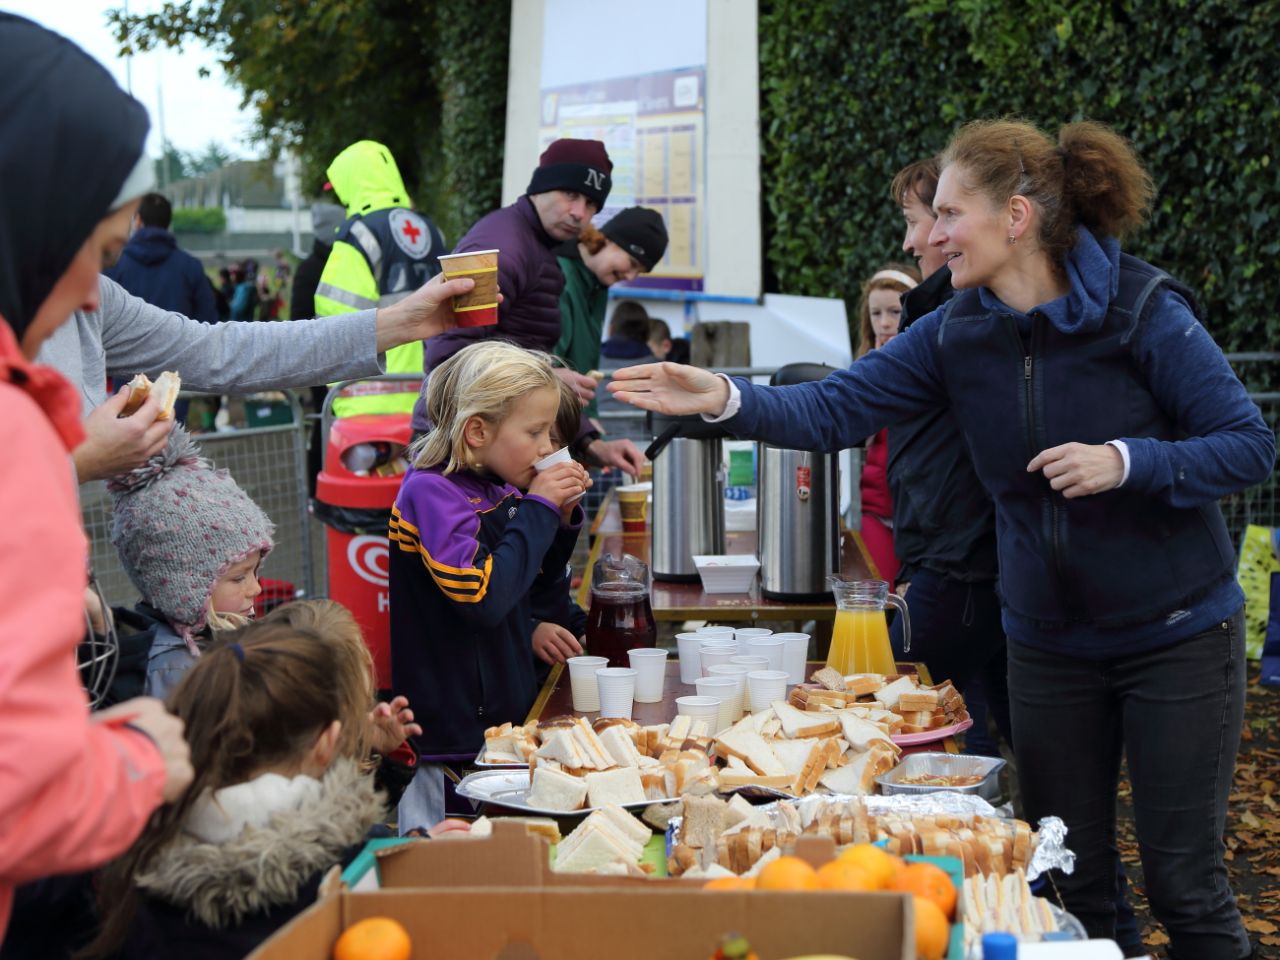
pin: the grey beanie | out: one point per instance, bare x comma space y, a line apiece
326, 218
179, 525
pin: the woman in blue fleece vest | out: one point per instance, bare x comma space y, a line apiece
1106, 424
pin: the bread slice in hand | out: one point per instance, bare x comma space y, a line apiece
165, 388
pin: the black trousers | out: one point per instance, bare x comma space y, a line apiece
1176, 714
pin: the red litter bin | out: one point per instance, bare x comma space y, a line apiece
363, 465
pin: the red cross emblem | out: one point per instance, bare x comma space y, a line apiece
411, 233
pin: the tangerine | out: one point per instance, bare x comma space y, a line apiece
375, 938
878, 863
932, 930
730, 883
787, 873
843, 875
929, 881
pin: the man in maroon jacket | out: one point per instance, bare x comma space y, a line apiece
567, 189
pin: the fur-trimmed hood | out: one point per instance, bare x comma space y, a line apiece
220, 884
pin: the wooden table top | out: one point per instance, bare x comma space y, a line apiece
556, 699
687, 601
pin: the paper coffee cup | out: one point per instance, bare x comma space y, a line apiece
633, 504
764, 687
650, 665
479, 308
769, 647
582, 682
617, 691
795, 655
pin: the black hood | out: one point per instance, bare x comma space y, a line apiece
69, 137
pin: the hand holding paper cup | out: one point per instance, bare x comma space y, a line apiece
550, 460
479, 308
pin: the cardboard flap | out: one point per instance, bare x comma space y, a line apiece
815, 849
510, 857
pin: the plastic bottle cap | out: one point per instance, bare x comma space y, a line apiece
999, 946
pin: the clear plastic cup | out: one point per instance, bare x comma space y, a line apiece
763, 687
721, 633
617, 691
582, 682
770, 647
753, 661
730, 696
688, 646
699, 708
712, 629
739, 673
710, 656
650, 665
795, 655
550, 460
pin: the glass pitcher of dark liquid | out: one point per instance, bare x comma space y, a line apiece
620, 617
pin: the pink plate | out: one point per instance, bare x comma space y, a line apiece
911, 739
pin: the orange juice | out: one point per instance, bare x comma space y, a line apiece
860, 643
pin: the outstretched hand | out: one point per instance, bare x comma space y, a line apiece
1080, 469
672, 388
392, 725
426, 312
114, 444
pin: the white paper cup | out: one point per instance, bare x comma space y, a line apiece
716, 630
720, 641
770, 647
699, 708
650, 665
688, 647
617, 691
725, 689
710, 656
738, 673
752, 661
763, 687
746, 633
550, 460
795, 655
582, 682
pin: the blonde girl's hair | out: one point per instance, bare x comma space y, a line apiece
484, 380
257, 698
1090, 176
219, 623
882, 279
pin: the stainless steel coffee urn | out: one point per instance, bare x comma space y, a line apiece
687, 517
797, 511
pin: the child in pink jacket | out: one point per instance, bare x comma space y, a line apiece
75, 789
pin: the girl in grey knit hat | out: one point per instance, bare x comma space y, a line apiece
191, 541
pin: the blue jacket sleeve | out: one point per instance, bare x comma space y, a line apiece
884, 387
434, 519
1228, 446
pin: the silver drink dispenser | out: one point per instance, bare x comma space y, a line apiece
687, 518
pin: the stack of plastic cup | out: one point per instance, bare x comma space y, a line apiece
699, 708
582, 682
617, 691
795, 655
770, 647
746, 633
726, 689
650, 665
712, 652
763, 687
688, 646
739, 673
752, 661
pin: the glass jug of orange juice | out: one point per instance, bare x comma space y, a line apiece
860, 640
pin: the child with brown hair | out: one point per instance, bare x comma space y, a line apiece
278, 724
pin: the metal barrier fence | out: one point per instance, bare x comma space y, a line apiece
270, 465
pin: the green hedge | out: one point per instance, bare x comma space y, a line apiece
198, 220
852, 91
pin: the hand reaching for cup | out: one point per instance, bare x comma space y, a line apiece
675, 389
554, 644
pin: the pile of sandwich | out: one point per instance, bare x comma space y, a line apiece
616, 761
993, 903
902, 702
608, 841
740, 839
799, 751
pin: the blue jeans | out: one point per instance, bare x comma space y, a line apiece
1176, 713
956, 632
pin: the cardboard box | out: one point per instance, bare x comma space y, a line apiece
477, 899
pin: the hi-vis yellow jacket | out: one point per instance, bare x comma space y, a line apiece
382, 253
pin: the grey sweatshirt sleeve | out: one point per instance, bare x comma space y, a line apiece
233, 357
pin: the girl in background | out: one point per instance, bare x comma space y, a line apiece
471, 555
879, 310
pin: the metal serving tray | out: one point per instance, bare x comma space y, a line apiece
479, 763
945, 765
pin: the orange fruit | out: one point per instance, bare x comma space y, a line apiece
377, 938
787, 873
843, 875
878, 863
929, 881
932, 930
730, 883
